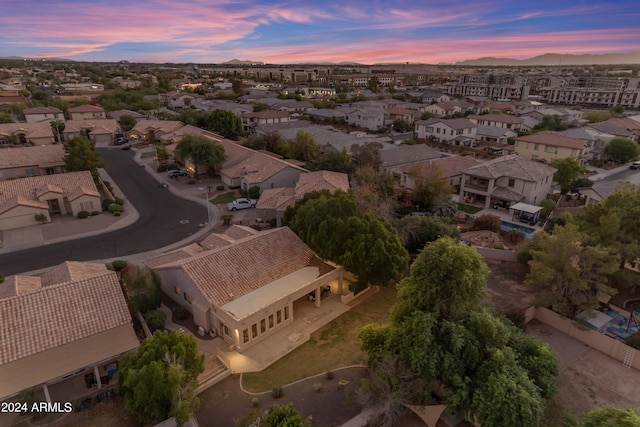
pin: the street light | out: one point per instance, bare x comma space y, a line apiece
206, 200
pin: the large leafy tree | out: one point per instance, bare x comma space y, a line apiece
202, 151
622, 150
568, 274
611, 416
158, 381
226, 123
367, 154
336, 161
551, 122
431, 187
81, 155
304, 147
568, 170
284, 416
365, 245
57, 126
417, 231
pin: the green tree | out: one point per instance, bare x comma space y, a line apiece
431, 187
367, 154
158, 381
551, 122
57, 126
258, 106
417, 231
597, 116
622, 150
6, 118
81, 155
401, 125
567, 274
568, 170
284, 416
304, 147
336, 161
202, 151
617, 110
610, 416
143, 289
226, 123
127, 122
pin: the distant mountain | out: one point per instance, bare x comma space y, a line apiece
558, 59
242, 62
20, 58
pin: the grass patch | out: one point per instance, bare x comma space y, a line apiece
147, 154
224, 198
468, 208
332, 346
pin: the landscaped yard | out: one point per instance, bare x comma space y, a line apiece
224, 198
333, 346
468, 208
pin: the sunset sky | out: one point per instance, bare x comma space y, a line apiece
295, 31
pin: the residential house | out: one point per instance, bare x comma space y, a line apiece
100, 131
185, 100
41, 114
290, 105
396, 113
629, 125
394, 156
548, 145
432, 96
64, 194
327, 114
10, 99
494, 135
251, 120
85, 112
505, 121
249, 290
153, 130
26, 133
63, 331
19, 162
449, 168
368, 118
449, 108
505, 181
450, 131
117, 114
595, 145
274, 201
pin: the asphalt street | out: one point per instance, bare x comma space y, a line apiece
164, 219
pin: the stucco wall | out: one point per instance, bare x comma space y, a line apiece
21, 216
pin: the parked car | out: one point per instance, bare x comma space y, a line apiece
241, 204
121, 140
635, 165
175, 173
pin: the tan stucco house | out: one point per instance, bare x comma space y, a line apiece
42, 114
20, 162
26, 133
248, 290
85, 112
101, 131
547, 146
62, 333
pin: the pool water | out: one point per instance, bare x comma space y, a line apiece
528, 231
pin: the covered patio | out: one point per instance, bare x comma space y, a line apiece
526, 213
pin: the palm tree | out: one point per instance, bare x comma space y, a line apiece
202, 151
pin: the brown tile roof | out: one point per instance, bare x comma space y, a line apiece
19, 285
448, 166
81, 191
60, 314
277, 198
628, 124
42, 110
321, 180
267, 114
48, 188
227, 273
174, 256
85, 109
70, 270
238, 232
162, 126
21, 201
16, 157
95, 126
28, 186
512, 166
30, 130
257, 168
553, 139
501, 118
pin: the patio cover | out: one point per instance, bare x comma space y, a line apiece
271, 293
596, 319
524, 207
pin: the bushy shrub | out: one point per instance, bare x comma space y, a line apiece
329, 375
94, 213
220, 188
273, 222
155, 319
226, 219
254, 192
119, 265
255, 226
514, 236
255, 402
83, 214
180, 311
106, 203
119, 201
277, 392
144, 289
41, 218
114, 207
117, 213
487, 222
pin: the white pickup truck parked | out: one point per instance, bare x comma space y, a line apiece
241, 204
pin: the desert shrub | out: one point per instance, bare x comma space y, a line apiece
277, 392
329, 375
155, 319
497, 245
119, 201
143, 289
119, 265
220, 188
117, 213
94, 213
83, 214
106, 203
487, 222
109, 266
180, 311
255, 402
114, 207
254, 192
514, 236
226, 219
41, 218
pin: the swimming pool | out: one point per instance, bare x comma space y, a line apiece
528, 231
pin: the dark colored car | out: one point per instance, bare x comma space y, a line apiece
121, 140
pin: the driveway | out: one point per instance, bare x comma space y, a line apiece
164, 219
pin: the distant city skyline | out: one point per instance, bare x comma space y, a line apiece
285, 32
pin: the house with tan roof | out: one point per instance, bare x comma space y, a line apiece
252, 119
49, 195
259, 170
274, 201
42, 114
249, 290
460, 132
62, 333
505, 121
26, 133
20, 162
548, 145
153, 130
448, 168
117, 114
505, 181
85, 112
397, 113
100, 131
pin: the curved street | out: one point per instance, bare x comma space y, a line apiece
164, 219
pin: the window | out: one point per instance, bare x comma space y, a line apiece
30, 172
270, 321
512, 182
177, 290
254, 330
225, 328
279, 316
245, 336
286, 313
263, 326
187, 298
87, 206
50, 171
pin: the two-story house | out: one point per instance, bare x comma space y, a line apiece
505, 121
42, 114
250, 120
548, 145
505, 181
451, 131
19, 162
85, 112
100, 131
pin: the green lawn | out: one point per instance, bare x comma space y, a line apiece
224, 198
333, 346
468, 208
